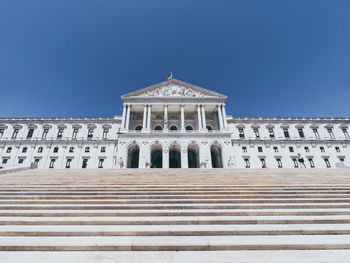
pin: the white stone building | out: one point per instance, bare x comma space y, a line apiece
174, 125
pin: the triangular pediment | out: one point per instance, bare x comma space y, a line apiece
174, 89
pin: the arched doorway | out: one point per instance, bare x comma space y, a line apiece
133, 156
156, 156
173, 128
174, 156
193, 156
216, 158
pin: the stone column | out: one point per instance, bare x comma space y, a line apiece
144, 122
184, 158
123, 118
203, 118
220, 117
165, 158
127, 118
149, 117
165, 118
224, 116
182, 118
199, 117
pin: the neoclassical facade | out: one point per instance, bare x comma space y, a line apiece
174, 125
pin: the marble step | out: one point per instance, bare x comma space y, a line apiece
174, 243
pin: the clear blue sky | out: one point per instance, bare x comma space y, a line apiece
272, 58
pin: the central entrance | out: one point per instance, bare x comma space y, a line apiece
156, 156
174, 156
216, 158
133, 156
193, 156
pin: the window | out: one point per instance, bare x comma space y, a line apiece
87, 149
256, 131
342, 159
75, 133
24, 150
15, 133
301, 133
4, 161
247, 163
55, 150
45, 132
1, 132
71, 149
52, 163
106, 130
84, 165
103, 149
209, 128
291, 149
189, 128
36, 160
90, 133
322, 149
296, 164
315, 130
158, 128
30, 133
312, 165
241, 132
307, 149
263, 162
68, 163
9, 149
100, 163
271, 133
327, 162
138, 128
279, 162
20, 160
244, 149
286, 132
337, 149
330, 132
345, 131
260, 149
60, 133
173, 128
275, 149
40, 149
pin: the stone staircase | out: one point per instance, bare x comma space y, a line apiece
90, 216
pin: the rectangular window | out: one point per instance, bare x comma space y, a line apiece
103, 149
36, 160
2, 132
330, 132
55, 150
328, 164
20, 160
68, 163
15, 133
241, 132
279, 162
296, 164
256, 131
342, 159
75, 133
275, 149
337, 149
60, 133
286, 132
90, 133
100, 163
345, 131
4, 161
84, 165
105, 132
291, 149
244, 149
71, 149
45, 132
30, 133
263, 162
40, 149
87, 149
9, 149
52, 163
312, 165
301, 133
260, 149
307, 149
322, 149
271, 133
315, 130
247, 163
24, 150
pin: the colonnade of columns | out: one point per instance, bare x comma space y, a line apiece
147, 113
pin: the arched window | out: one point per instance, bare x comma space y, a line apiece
209, 128
173, 128
138, 128
189, 128
158, 128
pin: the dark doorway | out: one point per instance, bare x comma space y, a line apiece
216, 158
157, 157
193, 156
174, 158
133, 156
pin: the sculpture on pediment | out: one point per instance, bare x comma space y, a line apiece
173, 91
